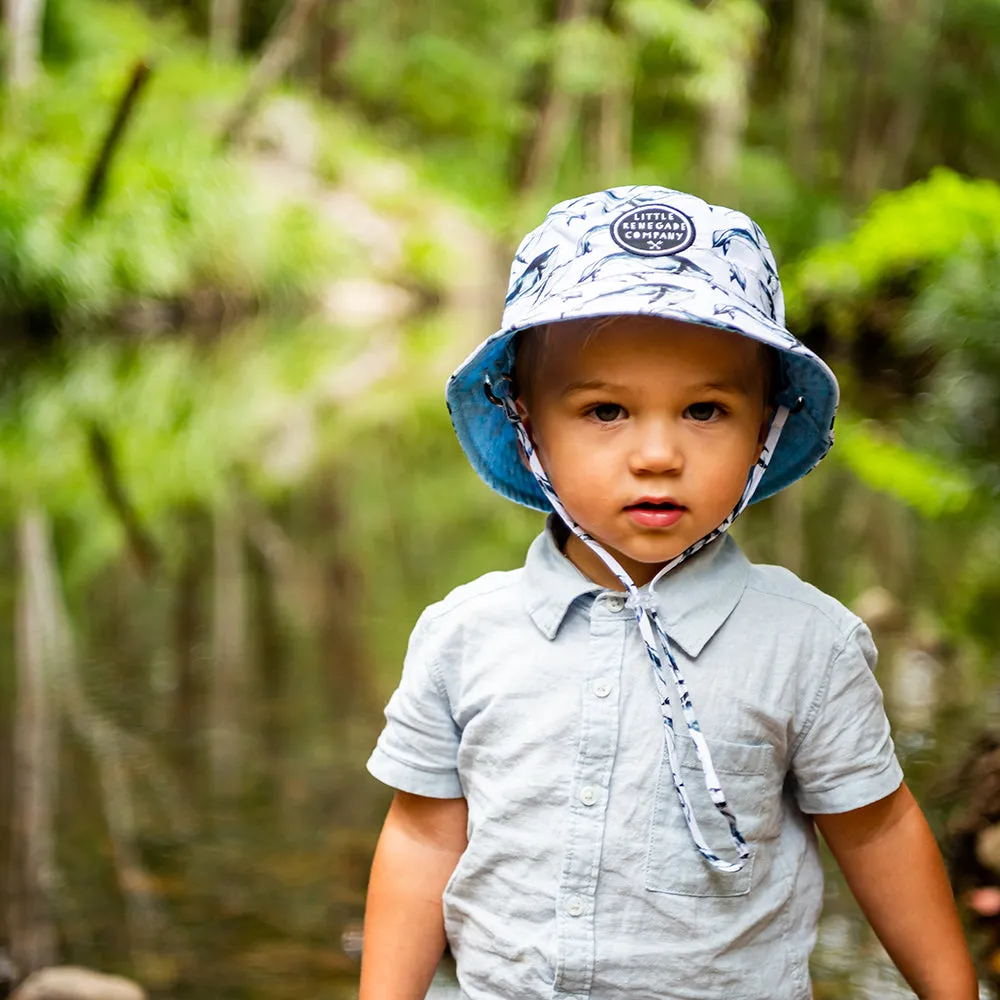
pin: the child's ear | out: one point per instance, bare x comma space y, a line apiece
765, 426
522, 412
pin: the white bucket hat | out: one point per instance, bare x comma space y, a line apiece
643, 251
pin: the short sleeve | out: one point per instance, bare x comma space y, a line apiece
418, 749
845, 758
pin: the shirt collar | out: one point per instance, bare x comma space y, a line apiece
693, 601
551, 582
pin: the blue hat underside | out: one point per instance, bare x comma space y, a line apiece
490, 443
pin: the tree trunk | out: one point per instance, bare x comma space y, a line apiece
790, 537
613, 139
224, 29
806, 71
227, 683
23, 28
723, 127
556, 117
727, 107
30, 918
341, 651
271, 658
187, 630
859, 179
332, 49
893, 95
614, 135
924, 21
279, 53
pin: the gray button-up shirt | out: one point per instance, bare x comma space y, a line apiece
530, 694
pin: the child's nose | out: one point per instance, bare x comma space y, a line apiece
656, 449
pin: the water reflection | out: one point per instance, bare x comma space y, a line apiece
230, 704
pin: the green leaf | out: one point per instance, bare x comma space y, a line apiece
882, 462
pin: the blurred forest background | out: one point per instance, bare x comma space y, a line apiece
242, 243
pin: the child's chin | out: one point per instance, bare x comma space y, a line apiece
649, 559
659, 550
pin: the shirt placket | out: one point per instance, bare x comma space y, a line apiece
588, 801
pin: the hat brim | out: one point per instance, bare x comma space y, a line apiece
809, 387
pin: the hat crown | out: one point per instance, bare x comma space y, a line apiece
663, 245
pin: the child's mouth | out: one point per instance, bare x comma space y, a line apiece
655, 513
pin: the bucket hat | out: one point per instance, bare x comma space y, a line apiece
643, 251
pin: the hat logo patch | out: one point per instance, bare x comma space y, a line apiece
653, 231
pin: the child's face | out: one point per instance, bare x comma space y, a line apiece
647, 429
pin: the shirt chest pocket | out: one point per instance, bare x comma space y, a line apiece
753, 790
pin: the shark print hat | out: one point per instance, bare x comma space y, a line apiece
647, 251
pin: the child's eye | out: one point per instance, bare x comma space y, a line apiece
703, 412
606, 413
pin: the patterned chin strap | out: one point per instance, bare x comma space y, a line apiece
652, 632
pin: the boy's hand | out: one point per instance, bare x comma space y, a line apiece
892, 864
421, 842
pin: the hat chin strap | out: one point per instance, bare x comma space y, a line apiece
653, 635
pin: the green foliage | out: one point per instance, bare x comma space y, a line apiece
713, 40
938, 241
589, 58
927, 484
182, 229
186, 422
904, 232
957, 318
966, 77
177, 215
435, 68
420, 521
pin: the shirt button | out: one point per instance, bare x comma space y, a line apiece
615, 604
574, 906
602, 688
588, 795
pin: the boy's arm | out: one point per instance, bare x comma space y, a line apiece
421, 842
892, 864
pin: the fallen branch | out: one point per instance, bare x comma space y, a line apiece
140, 542
98, 176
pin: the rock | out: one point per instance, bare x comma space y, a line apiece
880, 609
380, 235
988, 847
352, 940
8, 973
277, 182
362, 302
354, 379
288, 128
913, 689
70, 982
985, 901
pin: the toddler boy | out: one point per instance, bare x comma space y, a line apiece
610, 763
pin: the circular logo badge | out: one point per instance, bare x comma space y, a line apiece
653, 231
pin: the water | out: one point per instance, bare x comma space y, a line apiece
245, 821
